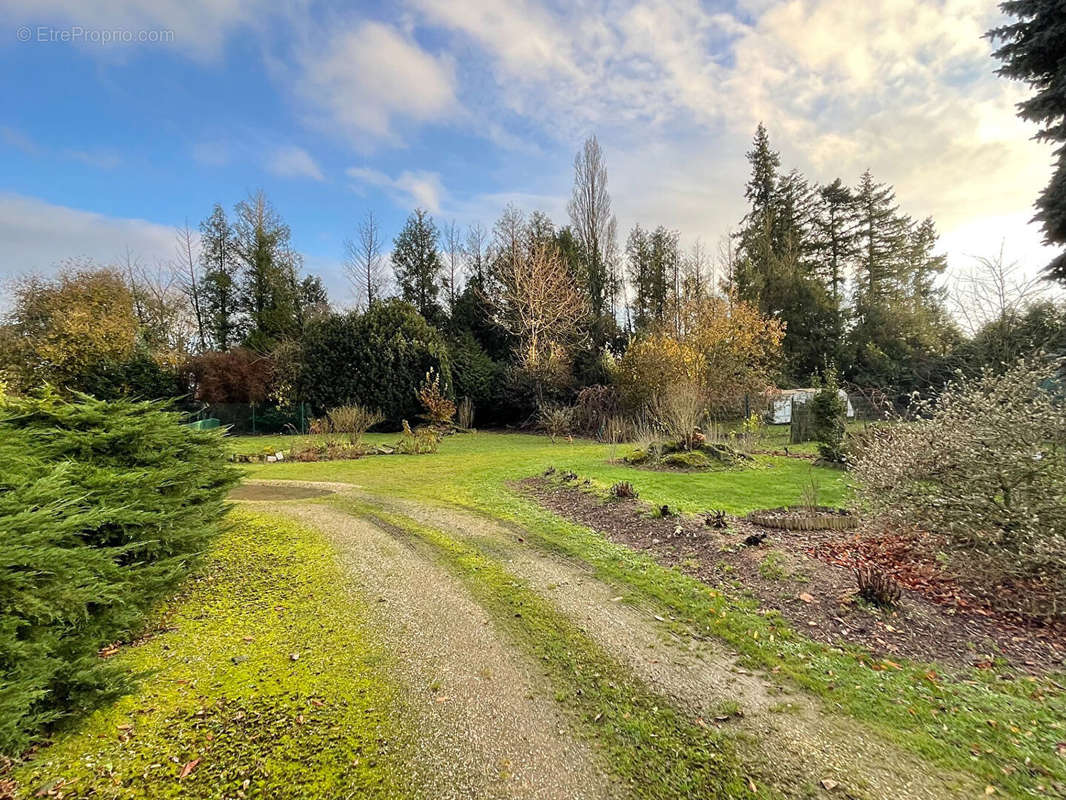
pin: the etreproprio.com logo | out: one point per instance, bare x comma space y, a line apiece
77, 34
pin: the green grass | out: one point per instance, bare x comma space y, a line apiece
649, 744
999, 726
221, 687
468, 463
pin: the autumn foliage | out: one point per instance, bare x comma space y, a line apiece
722, 348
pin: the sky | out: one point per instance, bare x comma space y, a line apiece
124, 119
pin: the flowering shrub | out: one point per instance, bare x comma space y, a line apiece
983, 473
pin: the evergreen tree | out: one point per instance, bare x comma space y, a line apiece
269, 290
219, 290
638, 257
777, 269
1032, 51
835, 245
881, 238
416, 261
756, 237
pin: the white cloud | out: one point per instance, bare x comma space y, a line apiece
198, 28
36, 235
294, 162
362, 81
409, 189
674, 89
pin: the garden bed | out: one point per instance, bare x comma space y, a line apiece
807, 576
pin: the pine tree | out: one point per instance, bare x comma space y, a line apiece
835, 245
218, 260
756, 237
1032, 51
269, 290
638, 257
881, 236
416, 261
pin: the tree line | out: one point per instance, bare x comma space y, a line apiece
527, 312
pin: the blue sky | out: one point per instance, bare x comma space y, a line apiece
334, 109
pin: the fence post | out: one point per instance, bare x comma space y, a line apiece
253, 419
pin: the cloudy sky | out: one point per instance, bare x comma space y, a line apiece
461, 107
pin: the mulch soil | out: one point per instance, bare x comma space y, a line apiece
808, 576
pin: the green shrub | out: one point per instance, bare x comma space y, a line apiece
104, 508
377, 359
828, 415
474, 373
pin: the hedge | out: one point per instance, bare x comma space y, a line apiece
104, 508
377, 359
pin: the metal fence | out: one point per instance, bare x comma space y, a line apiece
245, 418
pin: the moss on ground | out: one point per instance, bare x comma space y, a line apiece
262, 681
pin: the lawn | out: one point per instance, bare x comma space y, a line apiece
264, 681
998, 725
472, 467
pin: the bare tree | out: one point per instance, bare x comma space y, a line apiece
994, 290
595, 227
475, 252
539, 304
188, 259
725, 263
363, 262
454, 253
161, 305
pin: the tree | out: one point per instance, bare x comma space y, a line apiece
453, 254
594, 227
105, 508
269, 289
166, 325
882, 233
363, 261
218, 261
775, 267
835, 244
725, 348
191, 282
60, 330
416, 261
1031, 51
540, 306
377, 359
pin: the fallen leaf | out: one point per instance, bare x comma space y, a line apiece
188, 768
805, 597
829, 784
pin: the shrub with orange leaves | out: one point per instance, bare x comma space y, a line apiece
723, 347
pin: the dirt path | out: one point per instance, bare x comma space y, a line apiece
487, 726
795, 742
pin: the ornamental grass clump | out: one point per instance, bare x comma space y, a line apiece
982, 475
104, 508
